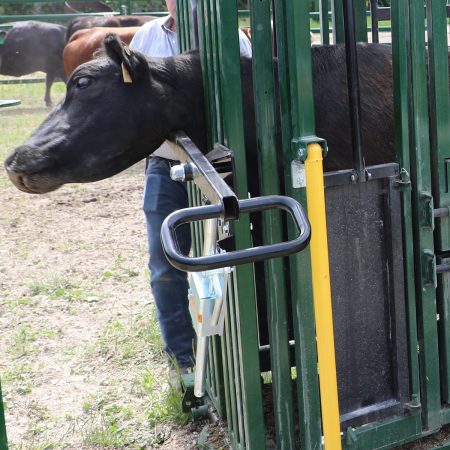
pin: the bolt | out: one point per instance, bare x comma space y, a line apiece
177, 173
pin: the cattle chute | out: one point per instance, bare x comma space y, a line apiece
387, 288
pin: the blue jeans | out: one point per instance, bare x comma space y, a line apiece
162, 196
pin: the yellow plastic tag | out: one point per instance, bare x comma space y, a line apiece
126, 74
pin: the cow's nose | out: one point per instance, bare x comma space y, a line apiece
15, 173
9, 161
23, 159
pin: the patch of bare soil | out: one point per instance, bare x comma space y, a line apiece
80, 356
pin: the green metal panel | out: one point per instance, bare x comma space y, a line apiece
444, 328
3, 438
400, 51
440, 154
277, 313
241, 383
384, 434
219, 40
296, 105
439, 115
324, 21
423, 227
337, 10
360, 20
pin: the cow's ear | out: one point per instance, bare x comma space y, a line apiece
134, 65
3, 35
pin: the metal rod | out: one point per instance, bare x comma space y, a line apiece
374, 14
320, 272
195, 22
210, 240
441, 212
441, 268
201, 357
200, 365
353, 88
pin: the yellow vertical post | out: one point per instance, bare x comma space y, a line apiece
322, 298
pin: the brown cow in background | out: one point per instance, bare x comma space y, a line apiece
84, 43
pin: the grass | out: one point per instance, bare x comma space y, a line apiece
21, 120
133, 340
137, 408
119, 272
58, 288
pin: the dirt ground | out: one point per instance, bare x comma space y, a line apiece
73, 291
77, 320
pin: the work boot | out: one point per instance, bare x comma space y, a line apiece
175, 374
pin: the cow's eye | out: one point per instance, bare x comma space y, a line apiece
83, 82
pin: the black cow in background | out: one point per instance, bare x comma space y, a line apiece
80, 23
34, 46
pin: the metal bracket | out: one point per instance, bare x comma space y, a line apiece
206, 177
299, 146
428, 262
426, 210
189, 401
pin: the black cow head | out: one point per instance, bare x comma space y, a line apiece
113, 115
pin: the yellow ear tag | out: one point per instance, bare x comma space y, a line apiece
126, 75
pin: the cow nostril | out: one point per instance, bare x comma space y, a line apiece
21, 160
9, 161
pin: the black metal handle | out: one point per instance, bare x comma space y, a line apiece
234, 258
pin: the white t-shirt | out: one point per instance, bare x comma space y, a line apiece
155, 38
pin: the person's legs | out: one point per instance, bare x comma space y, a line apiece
162, 196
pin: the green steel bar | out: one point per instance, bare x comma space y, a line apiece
296, 109
337, 13
401, 109
360, 20
204, 37
423, 230
385, 434
231, 96
440, 151
215, 67
444, 329
235, 427
445, 416
243, 432
264, 92
187, 25
324, 18
217, 371
3, 437
182, 26
440, 115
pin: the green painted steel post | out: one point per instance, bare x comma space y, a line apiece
324, 21
440, 115
220, 49
440, 152
360, 20
400, 51
3, 437
231, 96
423, 221
277, 314
296, 104
337, 14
